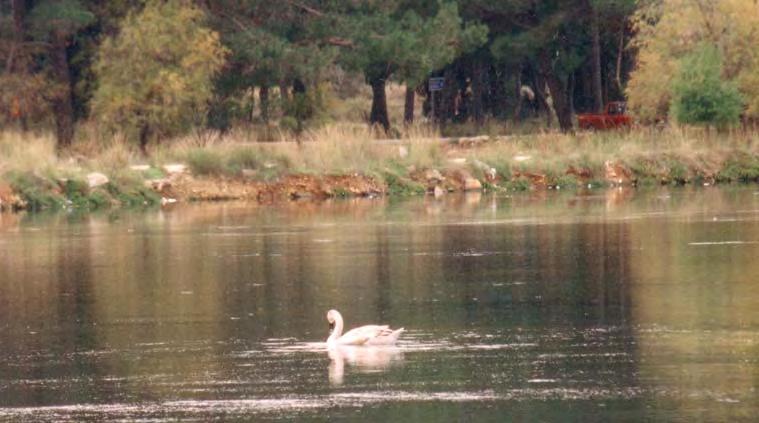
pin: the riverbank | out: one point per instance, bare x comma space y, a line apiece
342, 161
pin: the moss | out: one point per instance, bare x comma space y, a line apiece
678, 172
153, 173
517, 184
566, 181
38, 193
341, 192
743, 168
399, 185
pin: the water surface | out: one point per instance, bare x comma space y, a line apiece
604, 306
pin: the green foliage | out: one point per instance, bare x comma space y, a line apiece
205, 161
701, 96
399, 185
156, 75
39, 193
743, 168
66, 16
669, 32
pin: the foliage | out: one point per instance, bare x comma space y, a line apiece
156, 75
700, 96
668, 31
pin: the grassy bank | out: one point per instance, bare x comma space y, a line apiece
351, 160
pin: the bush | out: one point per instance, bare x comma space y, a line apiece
206, 162
701, 96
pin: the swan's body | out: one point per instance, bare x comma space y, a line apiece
364, 335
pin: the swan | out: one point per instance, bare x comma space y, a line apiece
364, 335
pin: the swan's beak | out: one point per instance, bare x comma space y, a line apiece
331, 327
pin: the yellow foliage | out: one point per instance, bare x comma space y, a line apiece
668, 30
157, 73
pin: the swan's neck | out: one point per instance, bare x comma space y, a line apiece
337, 331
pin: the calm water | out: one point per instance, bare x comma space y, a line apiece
614, 306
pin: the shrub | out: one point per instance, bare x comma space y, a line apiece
701, 96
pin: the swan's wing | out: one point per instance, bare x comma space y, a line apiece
361, 335
388, 337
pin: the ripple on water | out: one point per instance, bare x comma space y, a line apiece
204, 409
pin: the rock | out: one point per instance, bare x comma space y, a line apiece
457, 160
521, 158
537, 180
438, 192
490, 172
175, 168
402, 152
249, 173
433, 175
158, 185
461, 179
140, 168
96, 179
616, 173
301, 195
471, 184
6, 193
581, 172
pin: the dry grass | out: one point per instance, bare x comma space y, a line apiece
661, 155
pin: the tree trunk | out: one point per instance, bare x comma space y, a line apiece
18, 33
299, 87
284, 91
598, 103
571, 93
263, 95
558, 92
408, 108
540, 94
477, 92
144, 139
448, 96
518, 94
620, 52
63, 108
378, 115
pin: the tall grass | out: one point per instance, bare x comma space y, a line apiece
658, 156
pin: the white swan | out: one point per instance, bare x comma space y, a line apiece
364, 335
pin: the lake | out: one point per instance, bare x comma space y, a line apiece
616, 305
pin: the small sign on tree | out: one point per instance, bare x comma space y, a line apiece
437, 84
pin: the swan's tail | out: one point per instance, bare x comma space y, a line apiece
396, 333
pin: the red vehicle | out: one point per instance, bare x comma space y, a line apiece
613, 117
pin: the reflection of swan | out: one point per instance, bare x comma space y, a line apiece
364, 335
366, 359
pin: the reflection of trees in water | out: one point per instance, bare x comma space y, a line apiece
696, 314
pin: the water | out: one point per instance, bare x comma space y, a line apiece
610, 306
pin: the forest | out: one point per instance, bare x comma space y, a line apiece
150, 70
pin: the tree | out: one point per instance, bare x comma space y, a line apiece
284, 44
57, 22
387, 39
729, 25
156, 76
700, 95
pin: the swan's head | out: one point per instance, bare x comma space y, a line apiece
332, 317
